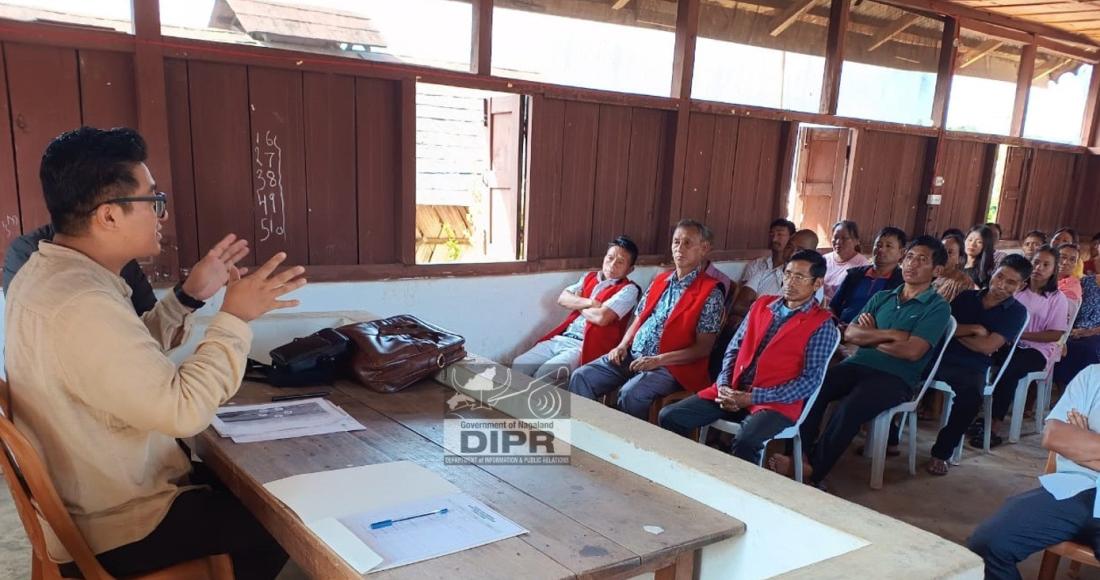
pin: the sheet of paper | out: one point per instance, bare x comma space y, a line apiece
466, 524
269, 421
345, 543
337, 493
344, 423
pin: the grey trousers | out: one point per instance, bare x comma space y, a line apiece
637, 391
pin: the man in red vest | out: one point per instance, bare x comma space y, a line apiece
599, 304
774, 363
666, 348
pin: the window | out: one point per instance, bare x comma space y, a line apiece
1056, 102
890, 61
107, 14
469, 182
382, 30
765, 56
588, 43
983, 91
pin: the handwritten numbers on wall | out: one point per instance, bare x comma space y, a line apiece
270, 197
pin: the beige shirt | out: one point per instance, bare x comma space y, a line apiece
92, 388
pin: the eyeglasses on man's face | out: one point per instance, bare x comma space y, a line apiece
797, 277
160, 202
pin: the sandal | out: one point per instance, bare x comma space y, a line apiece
978, 440
937, 467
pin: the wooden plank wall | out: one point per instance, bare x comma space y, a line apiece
1085, 215
886, 181
732, 179
596, 172
966, 168
1046, 205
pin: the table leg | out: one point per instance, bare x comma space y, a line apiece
681, 569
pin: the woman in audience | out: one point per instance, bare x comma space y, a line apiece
1092, 266
845, 255
1038, 348
1083, 348
953, 280
1064, 236
980, 260
1068, 282
1032, 242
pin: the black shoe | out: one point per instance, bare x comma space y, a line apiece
977, 428
978, 440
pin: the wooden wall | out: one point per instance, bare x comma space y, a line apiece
967, 170
887, 180
1048, 199
1085, 207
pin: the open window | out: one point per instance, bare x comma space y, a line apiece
470, 182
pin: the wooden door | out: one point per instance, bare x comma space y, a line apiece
819, 184
504, 116
1013, 188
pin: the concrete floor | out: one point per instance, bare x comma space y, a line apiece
949, 506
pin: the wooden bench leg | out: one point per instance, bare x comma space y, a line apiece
1049, 568
682, 569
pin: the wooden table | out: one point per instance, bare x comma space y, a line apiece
585, 519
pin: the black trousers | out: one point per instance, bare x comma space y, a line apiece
967, 384
201, 522
1024, 361
861, 393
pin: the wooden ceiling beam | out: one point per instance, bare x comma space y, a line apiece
977, 53
889, 33
786, 18
620, 4
948, 9
1049, 68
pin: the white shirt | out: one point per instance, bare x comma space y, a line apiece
756, 267
838, 269
1070, 479
621, 303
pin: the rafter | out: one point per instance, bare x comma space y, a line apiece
889, 33
785, 19
1049, 68
974, 55
620, 4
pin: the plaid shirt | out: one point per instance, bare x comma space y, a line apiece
818, 351
647, 341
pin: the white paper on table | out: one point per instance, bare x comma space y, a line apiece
468, 523
341, 425
264, 418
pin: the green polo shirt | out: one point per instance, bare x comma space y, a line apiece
924, 316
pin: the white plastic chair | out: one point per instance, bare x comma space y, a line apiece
733, 428
987, 397
1043, 382
878, 435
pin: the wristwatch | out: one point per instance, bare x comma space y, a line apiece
186, 299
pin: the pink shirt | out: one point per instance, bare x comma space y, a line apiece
1071, 287
1050, 312
837, 270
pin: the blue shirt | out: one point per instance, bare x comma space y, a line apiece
819, 350
647, 340
857, 288
1005, 319
1070, 478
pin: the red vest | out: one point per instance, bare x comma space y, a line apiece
679, 331
598, 340
782, 359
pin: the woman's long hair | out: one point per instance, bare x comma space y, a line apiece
1052, 283
985, 263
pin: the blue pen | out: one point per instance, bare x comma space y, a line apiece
388, 523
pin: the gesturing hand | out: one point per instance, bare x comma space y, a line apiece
257, 294
212, 271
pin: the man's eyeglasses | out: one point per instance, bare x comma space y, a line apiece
795, 276
160, 202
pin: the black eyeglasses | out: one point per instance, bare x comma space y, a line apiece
160, 202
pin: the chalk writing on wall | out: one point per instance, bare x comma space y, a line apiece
269, 185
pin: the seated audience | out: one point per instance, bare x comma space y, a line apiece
863, 282
775, 361
91, 383
1063, 507
998, 255
22, 247
1092, 266
1064, 236
1032, 242
1068, 282
780, 233
895, 332
770, 282
666, 348
1083, 347
1039, 346
599, 307
845, 255
988, 319
980, 260
953, 281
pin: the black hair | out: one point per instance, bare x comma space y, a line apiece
995, 226
957, 237
950, 231
783, 222
1052, 283
1072, 234
985, 263
627, 245
939, 254
893, 232
1073, 247
1036, 234
82, 167
1019, 263
818, 267
704, 231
